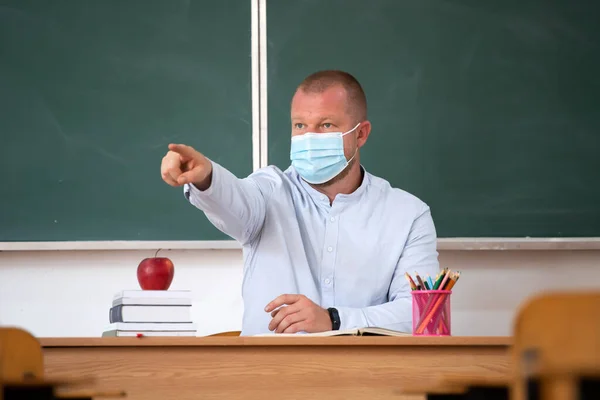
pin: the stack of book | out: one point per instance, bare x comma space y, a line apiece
151, 313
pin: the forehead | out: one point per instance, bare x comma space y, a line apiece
332, 101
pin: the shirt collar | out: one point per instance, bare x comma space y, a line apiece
321, 198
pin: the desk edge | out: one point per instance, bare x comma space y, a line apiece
494, 341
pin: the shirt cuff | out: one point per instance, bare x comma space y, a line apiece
351, 318
191, 192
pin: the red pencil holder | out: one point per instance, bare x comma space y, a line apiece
431, 312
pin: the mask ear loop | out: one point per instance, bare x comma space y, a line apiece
352, 158
344, 134
355, 151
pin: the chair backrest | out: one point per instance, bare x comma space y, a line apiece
22, 359
21, 355
558, 334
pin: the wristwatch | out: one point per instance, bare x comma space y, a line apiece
335, 318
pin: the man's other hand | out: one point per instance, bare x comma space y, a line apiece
297, 313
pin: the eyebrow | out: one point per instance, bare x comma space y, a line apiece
327, 117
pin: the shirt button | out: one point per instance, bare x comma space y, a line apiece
332, 219
323, 198
327, 281
330, 249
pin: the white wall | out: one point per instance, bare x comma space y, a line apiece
69, 293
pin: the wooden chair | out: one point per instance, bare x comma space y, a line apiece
21, 355
22, 370
557, 346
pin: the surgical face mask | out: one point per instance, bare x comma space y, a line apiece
319, 157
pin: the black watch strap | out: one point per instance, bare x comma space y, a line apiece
335, 318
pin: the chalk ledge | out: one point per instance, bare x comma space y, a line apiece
444, 244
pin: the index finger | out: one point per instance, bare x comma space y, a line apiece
183, 150
281, 300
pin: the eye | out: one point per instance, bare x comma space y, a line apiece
327, 125
298, 125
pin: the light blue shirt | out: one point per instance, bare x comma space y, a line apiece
351, 254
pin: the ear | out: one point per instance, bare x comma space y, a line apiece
362, 133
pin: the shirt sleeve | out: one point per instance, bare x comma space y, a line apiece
419, 255
234, 206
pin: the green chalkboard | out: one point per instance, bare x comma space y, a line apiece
91, 94
487, 110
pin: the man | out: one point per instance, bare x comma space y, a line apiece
326, 244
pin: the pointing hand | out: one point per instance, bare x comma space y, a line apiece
182, 164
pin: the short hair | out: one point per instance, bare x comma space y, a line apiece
320, 81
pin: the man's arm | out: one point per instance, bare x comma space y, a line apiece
420, 255
234, 206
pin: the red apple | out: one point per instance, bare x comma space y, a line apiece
155, 273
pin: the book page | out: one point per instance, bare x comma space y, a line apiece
382, 332
347, 332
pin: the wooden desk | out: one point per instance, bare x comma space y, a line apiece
272, 368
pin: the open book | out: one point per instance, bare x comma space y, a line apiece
346, 332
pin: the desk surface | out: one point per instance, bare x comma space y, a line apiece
233, 341
249, 368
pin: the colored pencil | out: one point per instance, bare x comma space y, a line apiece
410, 281
421, 284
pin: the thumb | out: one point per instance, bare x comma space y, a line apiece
186, 177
